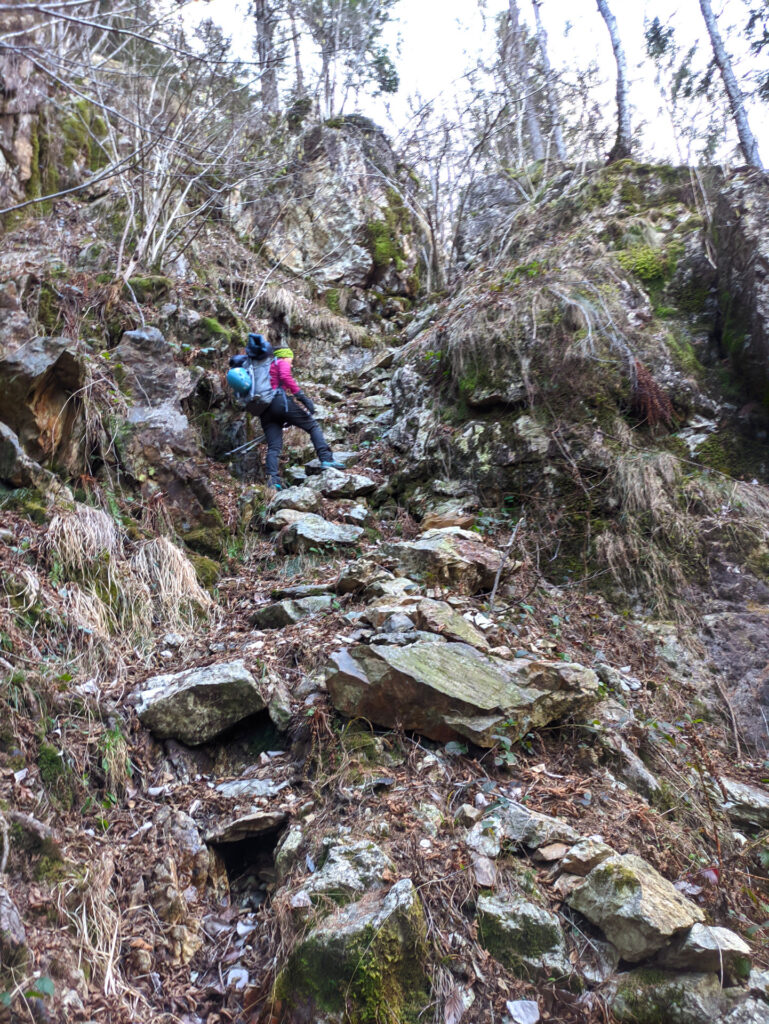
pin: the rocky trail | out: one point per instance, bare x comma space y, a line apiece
365, 794
473, 730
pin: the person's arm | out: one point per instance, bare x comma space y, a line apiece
286, 378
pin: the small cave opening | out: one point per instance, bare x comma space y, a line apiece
241, 745
250, 867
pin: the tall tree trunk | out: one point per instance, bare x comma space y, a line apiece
623, 145
297, 55
265, 53
552, 99
529, 109
748, 142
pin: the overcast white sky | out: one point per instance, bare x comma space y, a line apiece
439, 39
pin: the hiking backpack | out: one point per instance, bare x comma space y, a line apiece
256, 363
260, 397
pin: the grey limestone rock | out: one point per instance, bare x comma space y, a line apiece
196, 705
523, 936
312, 531
300, 499
449, 690
637, 909
287, 612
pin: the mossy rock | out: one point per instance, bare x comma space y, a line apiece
25, 500
729, 452
55, 774
366, 961
651, 996
213, 329
206, 569
524, 937
150, 289
82, 132
207, 540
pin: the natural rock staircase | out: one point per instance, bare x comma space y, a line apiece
412, 649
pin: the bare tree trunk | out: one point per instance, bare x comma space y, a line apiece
623, 145
552, 99
265, 51
748, 142
297, 55
529, 109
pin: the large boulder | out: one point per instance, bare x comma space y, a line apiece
638, 910
340, 215
365, 961
524, 937
196, 705
449, 557
449, 690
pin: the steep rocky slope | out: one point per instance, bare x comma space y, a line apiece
471, 730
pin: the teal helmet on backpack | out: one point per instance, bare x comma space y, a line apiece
239, 380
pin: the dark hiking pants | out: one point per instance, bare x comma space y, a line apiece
285, 412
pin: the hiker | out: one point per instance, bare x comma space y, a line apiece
263, 382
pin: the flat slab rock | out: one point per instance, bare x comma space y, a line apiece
336, 483
637, 909
447, 690
196, 705
746, 804
313, 531
246, 826
449, 557
704, 948
300, 499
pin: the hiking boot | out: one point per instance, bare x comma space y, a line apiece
332, 464
275, 484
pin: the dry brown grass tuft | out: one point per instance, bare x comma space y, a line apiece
82, 539
170, 578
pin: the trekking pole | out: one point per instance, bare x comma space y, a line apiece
247, 446
504, 558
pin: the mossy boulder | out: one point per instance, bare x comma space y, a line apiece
206, 570
638, 910
650, 996
150, 289
524, 937
365, 962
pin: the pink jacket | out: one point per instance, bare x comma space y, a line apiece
281, 376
